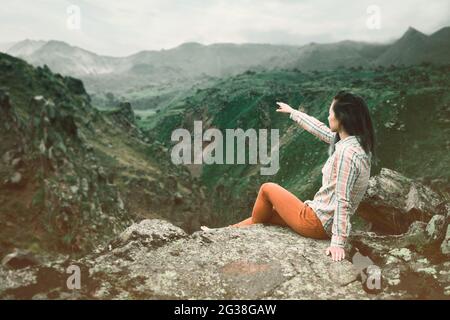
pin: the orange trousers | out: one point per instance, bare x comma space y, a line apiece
276, 205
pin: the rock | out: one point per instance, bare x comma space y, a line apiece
75, 85
447, 291
378, 245
38, 99
445, 246
7, 156
120, 203
127, 111
74, 189
15, 181
406, 271
11, 280
226, 263
429, 270
392, 202
16, 163
152, 233
124, 114
19, 259
16, 178
447, 210
84, 186
177, 198
403, 253
435, 227
42, 147
156, 260
101, 172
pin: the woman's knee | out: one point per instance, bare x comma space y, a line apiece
265, 187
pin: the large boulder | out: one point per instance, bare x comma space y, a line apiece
157, 260
411, 264
392, 202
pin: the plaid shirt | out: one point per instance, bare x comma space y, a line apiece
345, 178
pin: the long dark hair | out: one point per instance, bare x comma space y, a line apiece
353, 114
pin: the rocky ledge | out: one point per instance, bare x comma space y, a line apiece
157, 260
154, 259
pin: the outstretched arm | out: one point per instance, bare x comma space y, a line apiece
312, 125
309, 123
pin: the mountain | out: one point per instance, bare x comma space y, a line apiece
66, 59
72, 176
439, 52
442, 35
25, 48
330, 56
188, 59
414, 47
192, 59
148, 78
5, 46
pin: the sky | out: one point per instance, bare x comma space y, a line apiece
124, 27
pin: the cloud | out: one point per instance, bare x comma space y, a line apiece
124, 27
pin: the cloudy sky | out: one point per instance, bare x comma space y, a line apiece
123, 27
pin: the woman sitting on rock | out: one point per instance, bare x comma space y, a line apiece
344, 181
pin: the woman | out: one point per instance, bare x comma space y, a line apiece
345, 177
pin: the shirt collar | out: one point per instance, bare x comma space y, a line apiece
347, 140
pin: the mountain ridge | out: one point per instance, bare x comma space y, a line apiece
143, 77
36, 45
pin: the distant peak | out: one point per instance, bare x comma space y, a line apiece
444, 30
412, 31
57, 42
57, 45
190, 44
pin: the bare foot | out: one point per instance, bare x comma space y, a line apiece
237, 225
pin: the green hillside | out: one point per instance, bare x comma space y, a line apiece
72, 177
